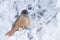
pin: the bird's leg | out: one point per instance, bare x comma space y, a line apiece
24, 27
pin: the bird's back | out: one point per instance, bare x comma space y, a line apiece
23, 21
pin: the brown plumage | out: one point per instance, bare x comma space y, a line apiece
22, 20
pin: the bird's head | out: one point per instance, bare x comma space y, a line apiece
25, 12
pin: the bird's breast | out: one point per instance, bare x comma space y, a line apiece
26, 22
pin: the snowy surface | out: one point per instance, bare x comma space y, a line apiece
44, 16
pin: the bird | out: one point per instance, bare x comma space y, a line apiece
22, 21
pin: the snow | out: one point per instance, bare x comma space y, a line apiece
44, 16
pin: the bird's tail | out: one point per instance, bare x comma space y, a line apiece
10, 33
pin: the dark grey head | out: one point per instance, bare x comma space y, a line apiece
24, 12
